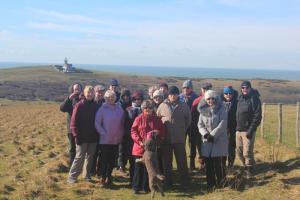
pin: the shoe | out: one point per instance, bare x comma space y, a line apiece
102, 182
135, 192
249, 172
87, 179
71, 180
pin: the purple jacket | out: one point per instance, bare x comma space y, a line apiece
109, 123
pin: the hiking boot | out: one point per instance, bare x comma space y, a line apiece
249, 172
71, 180
102, 182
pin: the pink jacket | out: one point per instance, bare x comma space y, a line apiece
142, 126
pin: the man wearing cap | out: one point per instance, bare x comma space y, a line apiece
248, 117
158, 98
195, 139
176, 116
114, 86
229, 98
188, 95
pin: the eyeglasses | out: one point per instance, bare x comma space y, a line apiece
212, 98
150, 108
245, 87
227, 93
137, 99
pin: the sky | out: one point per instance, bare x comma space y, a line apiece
183, 33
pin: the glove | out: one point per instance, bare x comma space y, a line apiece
78, 141
210, 138
206, 136
249, 135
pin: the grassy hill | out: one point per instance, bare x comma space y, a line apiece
46, 83
33, 152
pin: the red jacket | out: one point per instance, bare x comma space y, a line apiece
195, 115
142, 126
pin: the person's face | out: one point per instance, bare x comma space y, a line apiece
126, 98
187, 90
113, 88
228, 96
150, 93
158, 99
211, 101
76, 89
245, 90
172, 97
148, 110
89, 95
99, 94
138, 101
164, 90
111, 99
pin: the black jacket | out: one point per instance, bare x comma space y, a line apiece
248, 114
231, 110
67, 106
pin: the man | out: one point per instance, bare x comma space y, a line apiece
67, 106
114, 86
229, 98
195, 139
99, 99
248, 118
188, 95
164, 88
176, 116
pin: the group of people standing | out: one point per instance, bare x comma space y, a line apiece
107, 128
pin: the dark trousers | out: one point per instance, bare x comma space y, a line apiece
109, 153
215, 171
72, 149
96, 165
231, 149
140, 177
195, 144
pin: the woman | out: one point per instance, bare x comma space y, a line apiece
212, 126
145, 123
84, 133
109, 123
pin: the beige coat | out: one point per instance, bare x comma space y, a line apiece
176, 120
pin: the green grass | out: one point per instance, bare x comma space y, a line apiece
33, 152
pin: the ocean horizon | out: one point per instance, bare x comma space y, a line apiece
188, 72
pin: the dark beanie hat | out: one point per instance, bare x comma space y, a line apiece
164, 85
114, 82
246, 84
125, 92
174, 90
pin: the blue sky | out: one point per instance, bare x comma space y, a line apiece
184, 33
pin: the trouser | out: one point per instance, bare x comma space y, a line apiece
181, 160
140, 178
231, 149
195, 144
125, 149
109, 154
215, 171
244, 148
96, 163
72, 148
84, 153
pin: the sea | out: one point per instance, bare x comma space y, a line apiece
188, 72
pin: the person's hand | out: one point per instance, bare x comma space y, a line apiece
141, 144
249, 135
72, 96
206, 135
210, 138
78, 141
155, 132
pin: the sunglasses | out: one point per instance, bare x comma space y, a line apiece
245, 87
137, 99
150, 108
227, 93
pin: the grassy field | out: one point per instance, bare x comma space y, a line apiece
33, 152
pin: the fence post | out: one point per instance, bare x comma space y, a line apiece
279, 134
297, 126
262, 134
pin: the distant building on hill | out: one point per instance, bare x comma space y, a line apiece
67, 67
